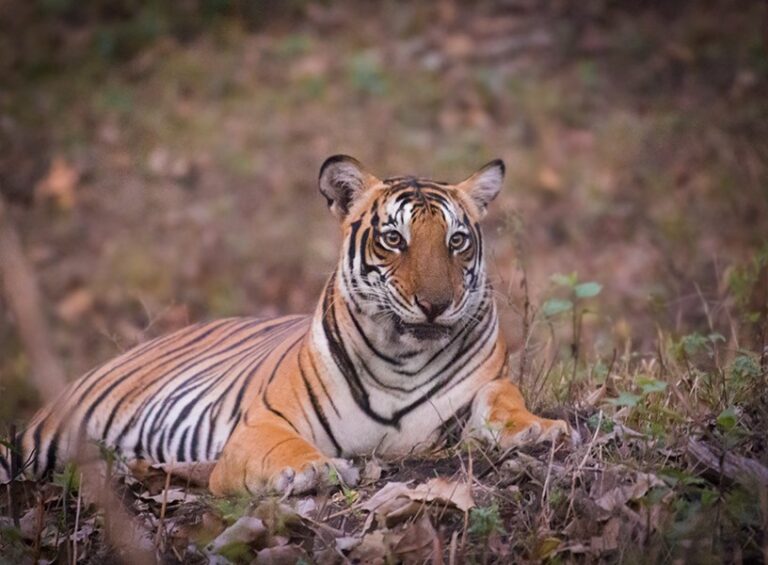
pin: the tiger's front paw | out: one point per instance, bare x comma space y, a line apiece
311, 476
531, 431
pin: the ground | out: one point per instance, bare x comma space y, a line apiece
162, 169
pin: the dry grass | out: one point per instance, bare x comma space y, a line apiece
636, 148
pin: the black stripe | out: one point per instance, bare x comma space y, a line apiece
319, 411
322, 385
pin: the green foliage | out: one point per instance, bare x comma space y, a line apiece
231, 508
237, 552
606, 424
625, 399
650, 386
647, 386
13, 546
587, 289
727, 420
68, 479
577, 291
695, 343
744, 367
483, 521
555, 306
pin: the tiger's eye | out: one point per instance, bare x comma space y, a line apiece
459, 241
393, 239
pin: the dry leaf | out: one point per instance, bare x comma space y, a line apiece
347, 542
550, 180
59, 184
74, 305
306, 506
372, 471
619, 496
372, 549
547, 547
609, 540
247, 529
418, 541
170, 496
396, 502
281, 555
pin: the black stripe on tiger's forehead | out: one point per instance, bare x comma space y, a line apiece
424, 193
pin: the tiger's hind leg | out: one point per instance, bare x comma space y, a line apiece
499, 416
265, 454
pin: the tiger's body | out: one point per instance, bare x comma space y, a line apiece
404, 338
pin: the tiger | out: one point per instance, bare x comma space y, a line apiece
404, 339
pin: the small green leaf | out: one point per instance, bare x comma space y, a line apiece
715, 337
555, 306
709, 497
625, 399
651, 385
587, 289
744, 366
727, 419
606, 425
564, 280
692, 343
547, 547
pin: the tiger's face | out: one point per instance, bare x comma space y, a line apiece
413, 250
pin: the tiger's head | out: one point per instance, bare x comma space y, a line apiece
412, 255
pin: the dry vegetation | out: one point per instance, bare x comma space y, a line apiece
161, 168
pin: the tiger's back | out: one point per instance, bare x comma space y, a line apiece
176, 398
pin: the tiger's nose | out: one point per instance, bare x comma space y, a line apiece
432, 309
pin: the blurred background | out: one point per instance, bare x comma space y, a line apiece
159, 160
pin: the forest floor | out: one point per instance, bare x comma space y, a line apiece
159, 164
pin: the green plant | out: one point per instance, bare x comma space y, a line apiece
485, 520
68, 479
576, 293
231, 509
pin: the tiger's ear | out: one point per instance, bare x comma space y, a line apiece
485, 184
342, 180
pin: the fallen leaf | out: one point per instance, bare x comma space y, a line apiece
372, 471
59, 184
619, 496
171, 496
418, 542
74, 305
547, 547
609, 540
550, 180
396, 501
372, 549
246, 529
281, 555
306, 506
347, 542
28, 525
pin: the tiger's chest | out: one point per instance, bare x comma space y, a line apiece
393, 425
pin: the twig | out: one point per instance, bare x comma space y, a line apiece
466, 514
729, 465
40, 520
23, 296
545, 490
13, 506
452, 548
77, 520
580, 468
163, 507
